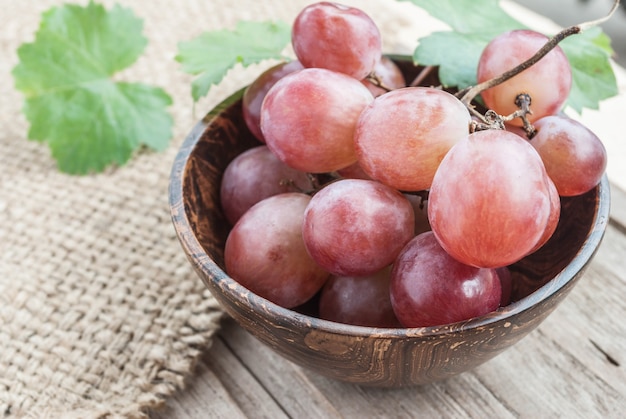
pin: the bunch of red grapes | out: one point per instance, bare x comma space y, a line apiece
419, 215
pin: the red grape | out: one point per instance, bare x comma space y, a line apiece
573, 155
402, 136
357, 227
430, 288
336, 37
362, 301
254, 175
308, 119
265, 253
548, 82
255, 93
490, 203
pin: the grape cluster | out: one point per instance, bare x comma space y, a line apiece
384, 199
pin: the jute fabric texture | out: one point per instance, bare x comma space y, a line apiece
101, 315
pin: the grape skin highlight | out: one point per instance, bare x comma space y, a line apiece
337, 37
355, 227
265, 253
430, 288
489, 204
402, 136
309, 116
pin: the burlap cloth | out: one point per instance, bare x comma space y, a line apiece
101, 314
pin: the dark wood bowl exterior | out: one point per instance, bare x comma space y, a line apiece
368, 356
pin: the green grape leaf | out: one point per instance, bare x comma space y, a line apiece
468, 17
459, 68
212, 54
473, 24
593, 79
456, 52
89, 120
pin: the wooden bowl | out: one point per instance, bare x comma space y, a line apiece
364, 355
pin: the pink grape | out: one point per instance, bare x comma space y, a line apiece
573, 155
336, 37
430, 288
254, 175
265, 253
308, 119
362, 301
357, 227
490, 203
548, 82
255, 93
389, 74
402, 136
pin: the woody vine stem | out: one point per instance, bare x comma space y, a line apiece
523, 101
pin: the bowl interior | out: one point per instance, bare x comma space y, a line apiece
203, 229
368, 356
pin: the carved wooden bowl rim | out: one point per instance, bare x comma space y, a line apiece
210, 271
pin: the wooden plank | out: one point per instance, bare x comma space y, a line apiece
245, 390
221, 387
290, 386
599, 303
540, 378
460, 396
567, 367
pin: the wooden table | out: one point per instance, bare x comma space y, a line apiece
573, 365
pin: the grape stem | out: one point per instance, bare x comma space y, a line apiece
491, 120
313, 179
522, 101
467, 95
422, 75
377, 81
